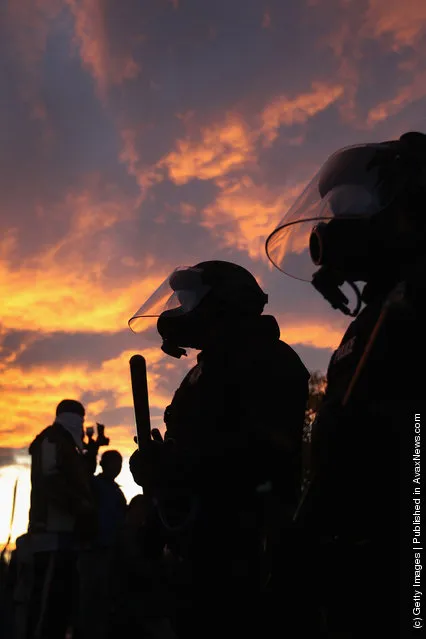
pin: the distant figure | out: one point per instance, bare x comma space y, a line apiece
110, 499
95, 562
91, 446
62, 517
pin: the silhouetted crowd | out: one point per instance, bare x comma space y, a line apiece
92, 566
57, 582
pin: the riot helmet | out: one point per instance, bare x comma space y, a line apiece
342, 227
193, 298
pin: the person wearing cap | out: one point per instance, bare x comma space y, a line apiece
359, 228
61, 519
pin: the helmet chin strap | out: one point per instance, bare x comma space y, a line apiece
327, 282
172, 349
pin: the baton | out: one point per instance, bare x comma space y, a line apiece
140, 399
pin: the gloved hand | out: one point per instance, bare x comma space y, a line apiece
163, 467
147, 465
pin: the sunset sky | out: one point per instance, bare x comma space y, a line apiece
138, 135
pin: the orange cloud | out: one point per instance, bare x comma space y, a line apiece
416, 90
67, 286
312, 332
404, 23
227, 146
30, 394
398, 28
244, 213
288, 111
79, 303
230, 145
223, 148
108, 69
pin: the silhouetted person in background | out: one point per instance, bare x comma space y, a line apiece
95, 562
362, 219
92, 445
141, 593
234, 432
111, 502
62, 517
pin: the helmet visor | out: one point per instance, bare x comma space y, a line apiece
183, 289
355, 182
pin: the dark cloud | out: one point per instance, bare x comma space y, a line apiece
90, 348
13, 342
204, 56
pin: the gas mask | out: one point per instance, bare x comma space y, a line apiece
179, 329
175, 303
337, 231
193, 299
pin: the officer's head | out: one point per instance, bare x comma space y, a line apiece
361, 216
378, 223
111, 463
203, 301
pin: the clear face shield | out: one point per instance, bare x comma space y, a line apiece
182, 291
354, 184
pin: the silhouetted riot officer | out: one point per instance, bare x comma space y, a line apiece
233, 435
361, 220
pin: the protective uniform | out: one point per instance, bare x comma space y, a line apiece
361, 219
233, 430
